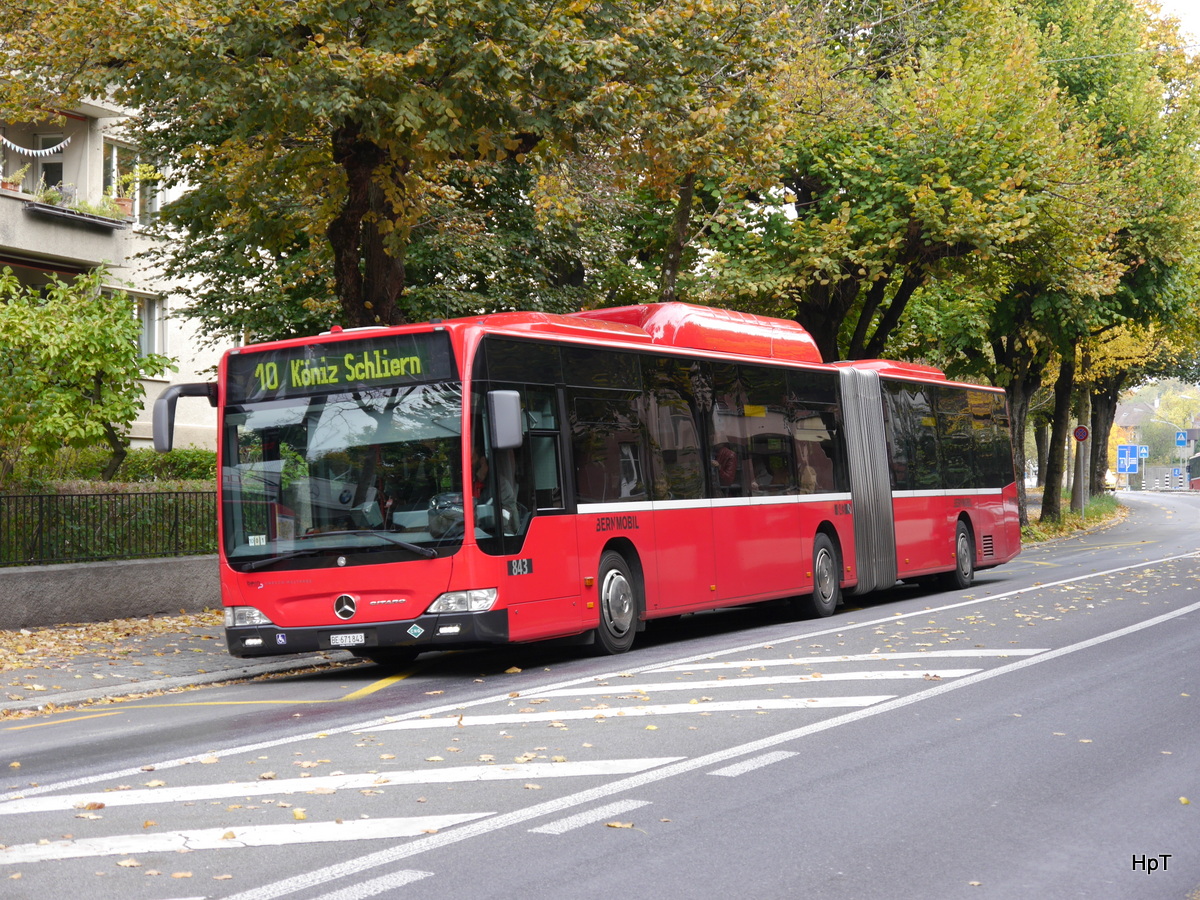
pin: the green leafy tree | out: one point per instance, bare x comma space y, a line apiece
69, 370
900, 182
1143, 108
1113, 244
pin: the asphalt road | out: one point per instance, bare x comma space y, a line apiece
1035, 736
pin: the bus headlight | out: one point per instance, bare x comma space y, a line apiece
239, 616
480, 600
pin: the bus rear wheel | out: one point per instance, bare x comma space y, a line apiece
618, 604
827, 589
963, 573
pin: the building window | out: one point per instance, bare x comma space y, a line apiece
152, 319
50, 168
121, 160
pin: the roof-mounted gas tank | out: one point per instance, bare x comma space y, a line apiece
719, 330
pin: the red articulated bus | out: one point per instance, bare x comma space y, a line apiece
522, 476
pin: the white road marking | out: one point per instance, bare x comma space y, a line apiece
562, 826
243, 836
376, 885
632, 712
617, 687
453, 775
855, 657
749, 765
360, 727
472, 830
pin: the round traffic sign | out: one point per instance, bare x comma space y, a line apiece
1081, 433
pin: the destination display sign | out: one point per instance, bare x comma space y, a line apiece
337, 366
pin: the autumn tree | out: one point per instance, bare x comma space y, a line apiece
346, 122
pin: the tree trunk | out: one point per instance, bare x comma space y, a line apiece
120, 449
821, 310
891, 316
1105, 395
1060, 426
1025, 363
871, 301
368, 278
677, 241
1019, 392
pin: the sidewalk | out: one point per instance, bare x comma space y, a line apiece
72, 665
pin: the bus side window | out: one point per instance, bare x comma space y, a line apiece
730, 465
671, 410
608, 445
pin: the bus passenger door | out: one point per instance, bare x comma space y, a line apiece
520, 515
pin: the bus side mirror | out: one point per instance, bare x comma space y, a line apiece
164, 410
504, 415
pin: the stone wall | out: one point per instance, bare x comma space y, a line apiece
36, 596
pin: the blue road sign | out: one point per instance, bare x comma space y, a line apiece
1181, 439
1143, 452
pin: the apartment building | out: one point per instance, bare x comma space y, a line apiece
56, 221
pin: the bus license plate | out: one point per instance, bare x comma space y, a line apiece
347, 640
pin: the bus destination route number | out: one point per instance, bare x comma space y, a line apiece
520, 567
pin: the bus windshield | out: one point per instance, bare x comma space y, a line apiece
333, 475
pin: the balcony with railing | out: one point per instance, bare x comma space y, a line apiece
57, 203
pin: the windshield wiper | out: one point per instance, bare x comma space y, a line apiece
261, 563
420, 551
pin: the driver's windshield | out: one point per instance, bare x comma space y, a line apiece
359, 471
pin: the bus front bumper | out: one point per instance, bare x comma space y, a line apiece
447, 631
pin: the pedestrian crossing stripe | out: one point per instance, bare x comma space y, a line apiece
451, 775
234, 837
633, 712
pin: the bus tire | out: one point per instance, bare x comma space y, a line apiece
827, 589
963, 574
619, 604
389, 657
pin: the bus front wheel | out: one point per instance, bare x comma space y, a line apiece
827, 589
618, 604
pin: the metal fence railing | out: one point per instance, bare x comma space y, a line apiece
38, 529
